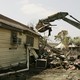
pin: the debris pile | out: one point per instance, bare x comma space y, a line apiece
67, 59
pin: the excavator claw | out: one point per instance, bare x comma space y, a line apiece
44, 24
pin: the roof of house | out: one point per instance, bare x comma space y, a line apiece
15, 24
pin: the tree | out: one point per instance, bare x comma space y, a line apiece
63, 37
76, 40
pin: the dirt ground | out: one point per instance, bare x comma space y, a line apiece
55, 74
47, 74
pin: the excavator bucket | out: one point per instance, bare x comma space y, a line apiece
41, 27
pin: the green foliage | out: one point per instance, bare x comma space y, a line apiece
63, 37
76, 40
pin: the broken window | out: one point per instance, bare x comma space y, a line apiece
30, 40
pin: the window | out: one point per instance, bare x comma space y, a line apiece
30, 40
13, 38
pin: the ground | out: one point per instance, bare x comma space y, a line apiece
47, 74
56, 74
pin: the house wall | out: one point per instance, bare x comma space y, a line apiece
10, 56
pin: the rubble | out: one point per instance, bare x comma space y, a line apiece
66, 59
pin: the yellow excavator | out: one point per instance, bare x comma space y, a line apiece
44, 24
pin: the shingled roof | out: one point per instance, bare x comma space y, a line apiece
15, 24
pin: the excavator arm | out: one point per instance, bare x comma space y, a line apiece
44, 24
76, 24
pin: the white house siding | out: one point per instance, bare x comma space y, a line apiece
10, 56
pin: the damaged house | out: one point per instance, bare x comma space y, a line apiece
15, 38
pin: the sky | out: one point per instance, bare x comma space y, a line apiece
29, 12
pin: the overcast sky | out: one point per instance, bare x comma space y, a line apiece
30, 11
